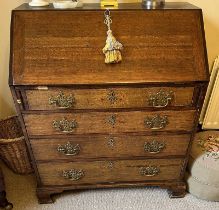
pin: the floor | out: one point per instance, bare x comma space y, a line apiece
21, 192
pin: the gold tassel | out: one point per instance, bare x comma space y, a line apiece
112, 49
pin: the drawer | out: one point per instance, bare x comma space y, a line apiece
103, 146
64, 98
108, 122
75, 173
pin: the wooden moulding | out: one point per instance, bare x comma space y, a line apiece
176, 189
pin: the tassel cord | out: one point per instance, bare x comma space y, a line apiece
108, 19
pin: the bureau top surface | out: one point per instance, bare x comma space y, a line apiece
64, 47
122, 6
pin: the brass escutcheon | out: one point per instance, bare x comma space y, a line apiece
111, 96
110, 165
112, 120
111, 142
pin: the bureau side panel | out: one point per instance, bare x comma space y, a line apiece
19, 104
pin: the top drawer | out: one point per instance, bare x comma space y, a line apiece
119, 97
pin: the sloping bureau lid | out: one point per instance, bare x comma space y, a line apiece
55, 47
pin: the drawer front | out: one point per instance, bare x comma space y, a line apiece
110, 146
159, 97
108, 122
74, 173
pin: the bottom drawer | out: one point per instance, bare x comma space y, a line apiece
74, 173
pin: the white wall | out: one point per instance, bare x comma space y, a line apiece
211, 19
211, 15
6, 105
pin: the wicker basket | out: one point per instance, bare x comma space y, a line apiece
13, 149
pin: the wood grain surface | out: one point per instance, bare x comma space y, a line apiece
58, 51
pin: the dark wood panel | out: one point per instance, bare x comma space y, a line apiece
148, 55
109, 98
102, 146
108, 122
109, 171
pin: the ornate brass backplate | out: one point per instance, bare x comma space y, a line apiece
160, 99
154, 146
73, 174
64, 125
157, 122
69, 149
149, 171
62, 101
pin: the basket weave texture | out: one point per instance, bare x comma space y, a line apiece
13, 149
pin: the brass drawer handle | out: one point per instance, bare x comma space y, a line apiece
111, 96
69, 149
160, 99
64, 125
154, 147
149, 171
157, 122
73, 174
112, 120
62, 101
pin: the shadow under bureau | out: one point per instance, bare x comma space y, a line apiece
94, 125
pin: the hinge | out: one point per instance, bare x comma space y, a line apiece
19, 101
18, 98
42, 88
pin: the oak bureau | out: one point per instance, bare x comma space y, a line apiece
94, 125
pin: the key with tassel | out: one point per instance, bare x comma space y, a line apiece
112, 49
